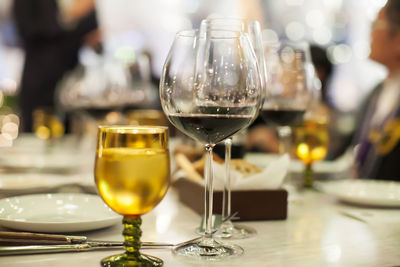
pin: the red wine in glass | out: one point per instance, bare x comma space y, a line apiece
282, 117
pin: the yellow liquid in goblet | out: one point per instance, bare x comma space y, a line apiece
132, 174
46, 124
311, 141
132, 181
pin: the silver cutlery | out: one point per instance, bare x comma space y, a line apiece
19, 243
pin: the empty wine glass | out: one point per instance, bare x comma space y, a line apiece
252, 28
210, 89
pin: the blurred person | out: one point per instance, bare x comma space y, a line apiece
52, 32
378, 136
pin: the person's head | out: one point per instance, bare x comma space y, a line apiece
385, 36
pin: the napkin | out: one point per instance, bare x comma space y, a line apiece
271, 177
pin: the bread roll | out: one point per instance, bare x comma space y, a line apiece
244, 167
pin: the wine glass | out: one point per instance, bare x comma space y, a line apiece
210, 89
289, 90
132, 174
311, 138
252, 28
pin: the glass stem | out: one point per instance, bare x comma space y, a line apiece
285, 133
308, 175
226, 196
132, 234
209, 188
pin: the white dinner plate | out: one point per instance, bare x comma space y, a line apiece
56, 213
29, 183
58, 161
13, 184
377, 193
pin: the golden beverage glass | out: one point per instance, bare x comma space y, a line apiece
132, 174
311, 144
47, 124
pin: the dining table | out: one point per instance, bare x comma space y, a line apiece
317, 232
320, 230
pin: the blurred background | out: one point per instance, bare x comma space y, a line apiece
123, 74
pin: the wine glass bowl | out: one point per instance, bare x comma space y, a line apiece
289, 92
253, 30
132, 174
210, 102
210, 89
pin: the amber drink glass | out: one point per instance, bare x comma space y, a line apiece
132, 174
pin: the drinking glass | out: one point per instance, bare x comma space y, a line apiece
289, 88
210, 89
311, 138
289, 93
132, 174
252, 28
47, 124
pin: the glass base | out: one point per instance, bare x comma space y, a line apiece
124, 260
229, 230
207, 249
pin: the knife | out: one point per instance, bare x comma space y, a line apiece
40, 249
32, 243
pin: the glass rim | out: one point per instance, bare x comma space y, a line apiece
140, 129
228, 20
195, 33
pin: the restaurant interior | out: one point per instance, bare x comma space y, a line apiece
199, 133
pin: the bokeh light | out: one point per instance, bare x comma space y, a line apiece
315, 18
9, 127
322, 35
8, 85
294, 2
339, 54
270, 36
295, 31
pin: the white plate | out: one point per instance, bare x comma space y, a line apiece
61, 161
56, 213
12, 184
28, 183
364, 192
